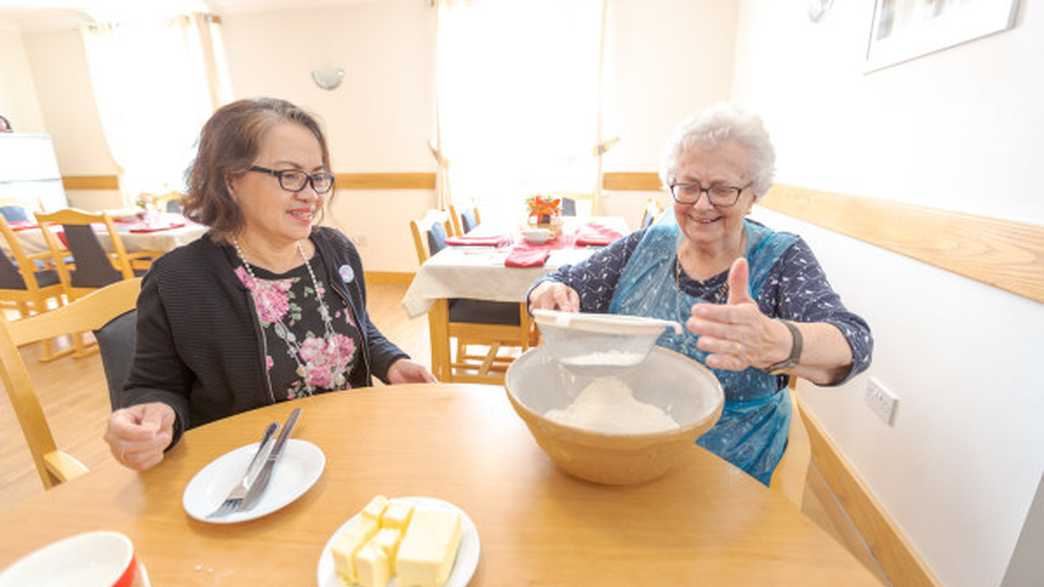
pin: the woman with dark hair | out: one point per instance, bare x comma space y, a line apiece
267, 306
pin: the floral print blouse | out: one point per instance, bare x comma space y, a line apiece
300, 358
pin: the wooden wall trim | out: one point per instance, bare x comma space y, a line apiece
389, 277
885, 540
386, 181
637, 181
345, 181
91, 182
1001, 253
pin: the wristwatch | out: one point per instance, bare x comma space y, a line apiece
790, 362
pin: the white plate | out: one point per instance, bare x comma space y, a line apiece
463, 568
297, 470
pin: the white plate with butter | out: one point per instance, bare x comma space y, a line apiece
463, 567
297, 470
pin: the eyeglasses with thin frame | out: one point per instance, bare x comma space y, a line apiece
295, 180
719, 195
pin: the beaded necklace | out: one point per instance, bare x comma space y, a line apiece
324, 311
718, 296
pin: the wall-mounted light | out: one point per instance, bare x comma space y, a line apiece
328, 78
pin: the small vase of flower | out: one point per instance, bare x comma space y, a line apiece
545, 212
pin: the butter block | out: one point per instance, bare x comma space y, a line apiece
359, 531
375, 508
388, 540
428, 549
397, 515
371, 566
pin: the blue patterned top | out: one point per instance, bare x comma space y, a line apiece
796, 289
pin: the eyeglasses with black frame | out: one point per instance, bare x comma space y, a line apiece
295, 180
719, 195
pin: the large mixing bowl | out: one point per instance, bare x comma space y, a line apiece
681, 387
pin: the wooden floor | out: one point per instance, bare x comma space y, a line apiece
75, 400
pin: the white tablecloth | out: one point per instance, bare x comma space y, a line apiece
32, 240
479, 273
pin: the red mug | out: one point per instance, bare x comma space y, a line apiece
93, 559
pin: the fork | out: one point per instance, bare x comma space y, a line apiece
235, 497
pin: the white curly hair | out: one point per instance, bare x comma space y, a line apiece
719, 124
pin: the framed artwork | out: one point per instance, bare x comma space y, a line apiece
906, 29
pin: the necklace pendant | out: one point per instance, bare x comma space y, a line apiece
339, 380
301, 371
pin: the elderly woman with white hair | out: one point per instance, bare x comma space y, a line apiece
756, 303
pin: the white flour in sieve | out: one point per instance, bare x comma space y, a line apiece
607, 405
608, 358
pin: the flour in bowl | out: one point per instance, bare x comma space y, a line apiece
609, 358
607, 405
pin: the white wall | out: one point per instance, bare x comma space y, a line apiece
18, 98
379, 120
658, 73
59, 68
959, 130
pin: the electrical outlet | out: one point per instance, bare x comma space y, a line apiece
881, 401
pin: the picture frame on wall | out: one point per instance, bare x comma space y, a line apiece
906, 29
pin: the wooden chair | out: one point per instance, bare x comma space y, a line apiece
569, 203
650, 213
494, 325
88, 313
30, 283
94, 267
169, 202
464, 222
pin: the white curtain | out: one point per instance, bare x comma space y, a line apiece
150, 81
517, 100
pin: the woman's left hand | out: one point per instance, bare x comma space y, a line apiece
409, 371
737, 335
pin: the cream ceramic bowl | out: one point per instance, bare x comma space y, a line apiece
683, 388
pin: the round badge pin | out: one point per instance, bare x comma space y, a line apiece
346, 273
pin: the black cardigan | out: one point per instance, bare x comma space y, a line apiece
200, 346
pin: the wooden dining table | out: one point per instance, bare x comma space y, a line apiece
705, 522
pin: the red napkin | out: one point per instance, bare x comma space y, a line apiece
22, 225
595, 235
525, 257
477, 241
156, 228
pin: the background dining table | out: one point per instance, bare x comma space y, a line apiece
706, 522
136, 236
478, 273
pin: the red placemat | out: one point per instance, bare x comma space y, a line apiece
156, 227
522, 257
594, 234
478, 241
22, 225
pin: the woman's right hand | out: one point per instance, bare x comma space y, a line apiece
553, 295
138, 435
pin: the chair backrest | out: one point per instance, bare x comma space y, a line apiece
571, 204
170, 202
568, 207
91, 312
14, 213
116, 343
464, 222
17, 272
429, 233
93, 265
650, 213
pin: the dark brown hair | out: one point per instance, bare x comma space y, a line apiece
228, 146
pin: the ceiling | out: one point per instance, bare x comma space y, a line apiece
42, 15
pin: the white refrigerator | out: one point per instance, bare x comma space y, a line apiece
29, 172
